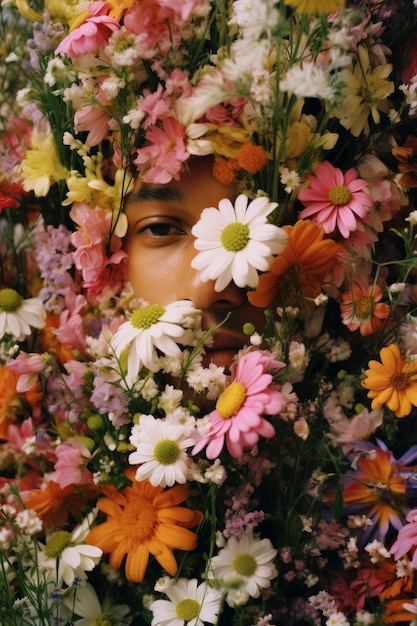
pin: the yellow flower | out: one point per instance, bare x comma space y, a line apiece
63, 11
41, 166
315, 6
392, 382
364, 95
25, 10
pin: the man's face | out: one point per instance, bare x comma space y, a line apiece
160, 248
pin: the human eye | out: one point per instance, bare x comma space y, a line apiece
161, 228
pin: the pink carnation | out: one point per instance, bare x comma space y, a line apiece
91, 33
238, 418
183, 7
162, 160
335, 199
156, 27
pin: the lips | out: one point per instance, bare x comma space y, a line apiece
224, 348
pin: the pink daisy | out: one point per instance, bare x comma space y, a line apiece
89, 31
335, 199
238, 414
406, 542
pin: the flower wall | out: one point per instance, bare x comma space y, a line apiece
140, 483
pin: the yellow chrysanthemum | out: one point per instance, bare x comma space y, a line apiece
315, 7
63, 11
392, 382
41, 166
364, 95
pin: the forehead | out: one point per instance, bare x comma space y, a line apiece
196, 190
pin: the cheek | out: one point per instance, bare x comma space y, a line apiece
155, 275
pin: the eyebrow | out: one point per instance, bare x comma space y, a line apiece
152, 191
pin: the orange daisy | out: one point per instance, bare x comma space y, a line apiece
143, 520
392, 382
298, 272
361, 308
54, 505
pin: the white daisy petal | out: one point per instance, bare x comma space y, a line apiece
235, 242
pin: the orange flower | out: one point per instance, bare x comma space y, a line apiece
299, 271
252, 158
361, 309
398, 590
392, 382
54, 505
407, 157
143, 520
224, 170
15, 406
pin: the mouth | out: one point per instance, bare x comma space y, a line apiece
223, 350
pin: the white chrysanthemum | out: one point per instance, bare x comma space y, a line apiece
19, 316
73, 556
248, 561
188, 603
236, 242
86, 605
161, 451
151, 328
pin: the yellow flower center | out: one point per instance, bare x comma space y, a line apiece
139, 519
244, 565
83, 17
235, 237
231, 400
339, 195
10, 300
57, 543
147, 317
106, 619
399, 381
187, 609
364, 307
166, 451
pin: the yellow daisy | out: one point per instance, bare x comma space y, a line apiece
392, 382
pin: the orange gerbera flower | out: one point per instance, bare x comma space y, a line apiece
392, 382
143, 520
54, 505
361, 308
298, 272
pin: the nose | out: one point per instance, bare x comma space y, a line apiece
205, 297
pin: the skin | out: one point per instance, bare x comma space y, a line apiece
160, 248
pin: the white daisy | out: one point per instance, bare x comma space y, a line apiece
73, 556
236, 242
161, 451
151, 328
189, 603
247, 561
86, 605
19, 316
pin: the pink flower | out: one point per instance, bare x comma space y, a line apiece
91, 30
335, 199
162, 160
94, 120
406, 541
183, 7
70, 467
238, 416
156, 26
28, 368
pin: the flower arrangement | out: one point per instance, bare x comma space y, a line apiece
140, 482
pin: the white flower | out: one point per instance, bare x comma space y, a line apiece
236, 241
188, 603
161, 451
19, 316
74, 557
248, 561
337, 619
153, 327
86, 605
